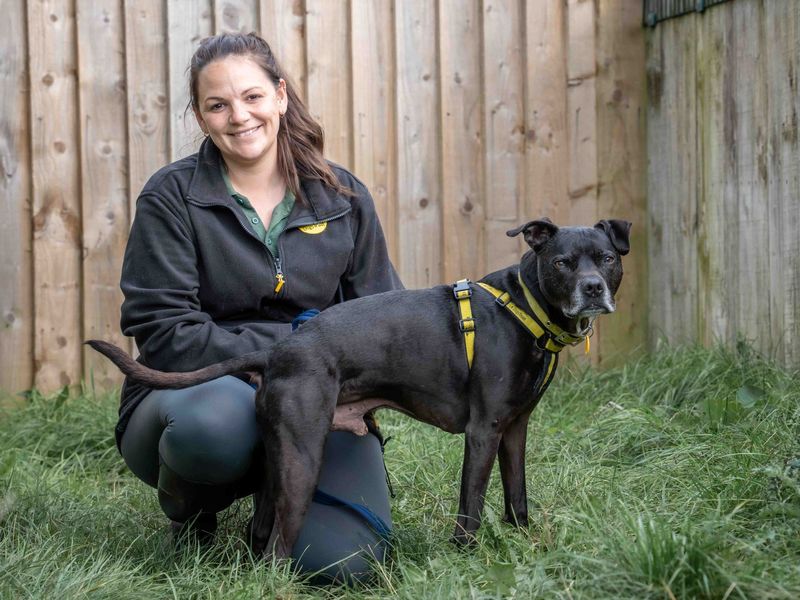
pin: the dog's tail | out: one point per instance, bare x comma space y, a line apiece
253, 363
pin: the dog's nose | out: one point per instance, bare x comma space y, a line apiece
592, 287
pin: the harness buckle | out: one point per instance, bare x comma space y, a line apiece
462, 290
466, 325
503, 299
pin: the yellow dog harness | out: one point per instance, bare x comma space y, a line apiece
548, 335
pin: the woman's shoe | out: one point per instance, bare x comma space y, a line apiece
199, 530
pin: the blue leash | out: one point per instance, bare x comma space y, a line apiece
303, 317
378, 525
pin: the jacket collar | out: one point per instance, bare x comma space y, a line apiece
317, 202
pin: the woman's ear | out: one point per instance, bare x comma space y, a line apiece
282, 96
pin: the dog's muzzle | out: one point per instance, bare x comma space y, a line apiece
590, 298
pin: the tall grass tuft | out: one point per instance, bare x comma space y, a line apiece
675, 476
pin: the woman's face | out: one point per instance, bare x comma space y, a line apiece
240, 108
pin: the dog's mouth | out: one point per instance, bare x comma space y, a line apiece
590, 311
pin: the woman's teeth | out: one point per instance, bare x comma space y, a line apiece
246, 133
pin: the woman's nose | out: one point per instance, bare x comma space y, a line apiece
239, 113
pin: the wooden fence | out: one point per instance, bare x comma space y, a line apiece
724, 177
464, 117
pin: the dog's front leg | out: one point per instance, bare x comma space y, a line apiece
511, 456
480, 449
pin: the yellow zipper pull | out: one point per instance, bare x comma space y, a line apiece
279, 275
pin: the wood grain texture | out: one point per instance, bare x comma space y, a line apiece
16, 268
621, 165
503, 68
283, 26
547, 147
104, 181
147, 92
717, 276
581, 110
461, 114
673, 175
373, 109
747, 95
235, 16
781, 55
187, 24
418, 148
56, 194
329, 76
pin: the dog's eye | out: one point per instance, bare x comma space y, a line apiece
559, 264
608, 259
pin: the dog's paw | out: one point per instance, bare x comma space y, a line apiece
516, 520
463, 538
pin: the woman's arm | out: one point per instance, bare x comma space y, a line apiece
160, 281
370, 271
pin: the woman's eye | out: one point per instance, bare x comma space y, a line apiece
253, 97
216, 107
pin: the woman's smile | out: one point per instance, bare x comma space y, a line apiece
240, 108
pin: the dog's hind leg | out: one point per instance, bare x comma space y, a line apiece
295, 421
481, 441
511, 456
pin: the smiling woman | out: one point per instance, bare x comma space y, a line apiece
228, 246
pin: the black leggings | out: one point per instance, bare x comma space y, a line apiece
198, 447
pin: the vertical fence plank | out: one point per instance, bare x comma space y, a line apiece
56, 194
718, 196
187, 24
283, 26
461, 113
504, 126
546, 137
581, 110
781, 52
235, 16
148, 91
747, 93
672, 172
329, 76
621, 163
418, 132
16, 297
104, 182
373, 114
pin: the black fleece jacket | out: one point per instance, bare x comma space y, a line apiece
199, 285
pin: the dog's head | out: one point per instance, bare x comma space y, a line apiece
578, 268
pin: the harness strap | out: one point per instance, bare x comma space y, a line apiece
540, 314
463, 292
531, 324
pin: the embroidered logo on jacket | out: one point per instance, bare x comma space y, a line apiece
314, 229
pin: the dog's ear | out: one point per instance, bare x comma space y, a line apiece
537, 233
619, 233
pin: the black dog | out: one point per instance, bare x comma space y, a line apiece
412, 350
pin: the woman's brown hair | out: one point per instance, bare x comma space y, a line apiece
300, 137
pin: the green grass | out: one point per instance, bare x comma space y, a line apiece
677, 476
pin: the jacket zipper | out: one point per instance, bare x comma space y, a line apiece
280, 278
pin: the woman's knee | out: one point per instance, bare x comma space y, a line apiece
210, 433
336, 542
